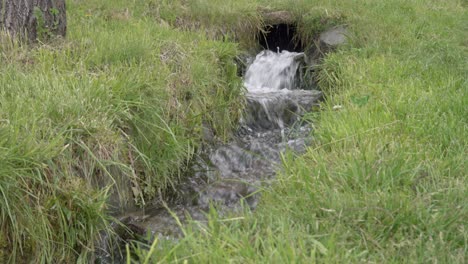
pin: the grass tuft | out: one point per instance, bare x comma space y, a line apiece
107, 118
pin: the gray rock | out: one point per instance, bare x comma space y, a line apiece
226, 193
277, 109
334, 37
207, 133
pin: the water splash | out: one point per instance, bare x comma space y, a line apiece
272, 72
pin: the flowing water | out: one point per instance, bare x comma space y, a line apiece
228, 174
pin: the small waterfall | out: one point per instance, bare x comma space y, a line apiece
272, 72
233, 172
274, 100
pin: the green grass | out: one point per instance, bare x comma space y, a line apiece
386, 179
122, 101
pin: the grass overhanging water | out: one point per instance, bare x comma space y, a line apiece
125, 97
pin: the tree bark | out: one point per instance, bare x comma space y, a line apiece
33, 19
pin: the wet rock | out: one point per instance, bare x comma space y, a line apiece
111, 247
207, 133
306, 99
279, 109
231, 159
129, 229
163, 222
227, 193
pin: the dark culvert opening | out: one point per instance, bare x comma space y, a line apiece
280, 37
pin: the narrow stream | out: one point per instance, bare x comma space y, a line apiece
227, 174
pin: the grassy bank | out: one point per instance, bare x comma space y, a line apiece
120, 102
123, 99
386, 180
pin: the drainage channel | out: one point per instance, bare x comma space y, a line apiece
233, 172
230, 175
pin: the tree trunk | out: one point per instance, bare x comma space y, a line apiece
34, 19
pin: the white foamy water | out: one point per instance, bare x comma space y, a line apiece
272, 71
